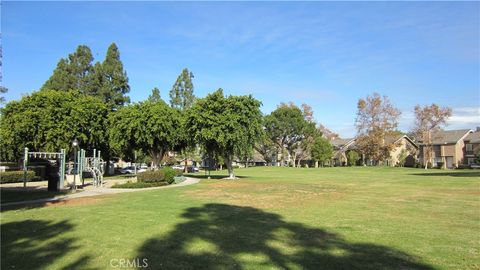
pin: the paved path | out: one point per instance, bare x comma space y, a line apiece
100, 191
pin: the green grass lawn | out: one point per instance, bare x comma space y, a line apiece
271, 218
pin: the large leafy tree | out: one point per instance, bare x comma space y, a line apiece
181, 94
49, 120
428, 121
266, 147
310, 133
286, 127
151, 127
321, 151
225, 126
376, 119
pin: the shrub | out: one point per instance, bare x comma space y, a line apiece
166, 174
151, 176
352, 158
140, 184
15, 176
464, 166
170, 174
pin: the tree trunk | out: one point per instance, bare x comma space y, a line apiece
107, 157
316, 163
299, 161
156, 158
282, 160
428, 150
185, 168
228, 161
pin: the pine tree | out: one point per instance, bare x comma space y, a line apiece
73, 72
115, 81
181, 95
95, 80
155, 96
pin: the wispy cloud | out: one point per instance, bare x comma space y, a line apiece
464, 117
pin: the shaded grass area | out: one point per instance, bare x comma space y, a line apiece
18, 195
230, 237
271, 218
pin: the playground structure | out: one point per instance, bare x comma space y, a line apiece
59, 156
94, 165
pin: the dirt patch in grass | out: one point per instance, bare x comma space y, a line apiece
79, 201
266, 196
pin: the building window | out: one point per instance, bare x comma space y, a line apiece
469, 147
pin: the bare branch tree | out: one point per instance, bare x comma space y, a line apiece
428, 121
376, 118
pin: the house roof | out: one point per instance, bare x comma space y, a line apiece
473, 137
339, 143
389, 139
449, 136
395, 138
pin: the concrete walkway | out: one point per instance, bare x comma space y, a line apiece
100, 191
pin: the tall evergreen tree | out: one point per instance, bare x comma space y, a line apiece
155, 96
115, 81
73, 72
95, 80
181, 95
106, 80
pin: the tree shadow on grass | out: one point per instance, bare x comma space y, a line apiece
37, 244
450, 173
220, 236
16, 194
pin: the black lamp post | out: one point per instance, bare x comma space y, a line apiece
75, 168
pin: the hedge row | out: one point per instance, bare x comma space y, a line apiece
15, 176
140, 184
163, 175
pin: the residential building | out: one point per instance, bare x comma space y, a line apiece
340, 148
448, 148
401, 143
472, 147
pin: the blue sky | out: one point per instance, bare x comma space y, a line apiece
325, 54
